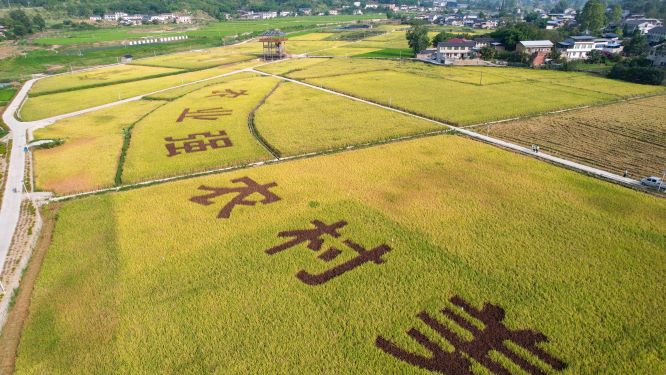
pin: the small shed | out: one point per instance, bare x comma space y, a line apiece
126, 59
274, 42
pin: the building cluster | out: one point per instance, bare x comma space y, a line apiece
142, 19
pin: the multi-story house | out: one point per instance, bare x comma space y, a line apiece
576, 47
657, 34
455, 49
657, 54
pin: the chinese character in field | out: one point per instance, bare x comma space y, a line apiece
313, 240
492, 337
204, 114
311, 236
242, 195
197, 142
229, 93
364, 256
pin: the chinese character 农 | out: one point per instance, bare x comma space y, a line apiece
242, 193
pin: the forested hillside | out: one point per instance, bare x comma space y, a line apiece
215, 8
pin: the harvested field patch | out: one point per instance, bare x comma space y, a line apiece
297, 119
619, 137
149, 281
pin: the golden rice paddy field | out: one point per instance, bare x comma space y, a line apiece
545, 260
98, 77
44, 106
88, 158
203, 130
628, 136
296, 119
197, 60
461, 95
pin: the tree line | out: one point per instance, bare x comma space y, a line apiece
19, 24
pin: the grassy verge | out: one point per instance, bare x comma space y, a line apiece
127, 137
388, 53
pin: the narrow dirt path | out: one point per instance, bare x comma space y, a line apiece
11, 333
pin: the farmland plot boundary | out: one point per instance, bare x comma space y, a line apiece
96, 85
253, 129
127, 137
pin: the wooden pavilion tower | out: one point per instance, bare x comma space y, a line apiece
274, 44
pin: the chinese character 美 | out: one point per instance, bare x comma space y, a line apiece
242, 193
491, 337
228, 93
314, 242
204, 114
192, 144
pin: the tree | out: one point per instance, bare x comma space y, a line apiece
561, 6
39, 22
417, 38
487, 52
482, 15
595, 57
441, 37
615, 15
555, 55
592, 17
638, 74
637, 45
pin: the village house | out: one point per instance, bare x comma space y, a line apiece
161, 18
332, 12
657, 54
114, 17
455, 49
95, 18
531, 47
183, 19
427, 54
643, 25
576, 47
483, 41
657, 34
537, 49
610, 43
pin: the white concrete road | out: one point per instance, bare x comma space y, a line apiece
13, 194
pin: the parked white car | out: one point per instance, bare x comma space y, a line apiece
652, 181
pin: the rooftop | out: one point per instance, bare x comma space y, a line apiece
274, 32
536, 43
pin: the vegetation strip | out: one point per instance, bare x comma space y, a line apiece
96, 85
249, 165
253, 128
127, 134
